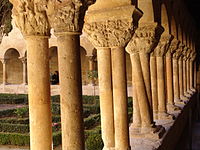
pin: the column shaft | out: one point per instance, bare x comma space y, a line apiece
106, 98
24, 72
70, 92
180, 64
39, 93
120, 99
4, 72
141, 92
169, 78
161, 85
188, 75
195, 75
144, 58
91, 69
136, 111
176, 80
191, 74
154, 86
184, 78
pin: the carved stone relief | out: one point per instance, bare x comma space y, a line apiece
64, 15
30, 17
145, 39
111, 33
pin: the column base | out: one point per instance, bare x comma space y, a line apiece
194, 90
165, 116
187, 94
128, 148
179, 101
173, 108
135, 128
155, 115
108, 148
184, 98
155, 132
190, 92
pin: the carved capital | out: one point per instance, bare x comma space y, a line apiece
3, 60
173, 47
163, 45
109, 28
177, 54
64, 15
145, 38
30, 17
23, 60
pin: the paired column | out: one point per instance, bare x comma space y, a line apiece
171, 107
68, 39
36, 33
181, 74
189, 52
160, 51
4, 71
138, 47
111, 66
176, 86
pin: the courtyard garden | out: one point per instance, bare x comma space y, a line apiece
14, 120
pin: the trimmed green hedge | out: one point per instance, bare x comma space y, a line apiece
13, 98
14, 139
7, 113
14, 128
91, 121
15, 120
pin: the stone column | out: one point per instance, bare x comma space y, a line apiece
68, 39
195, 74
36, 31
189, 52
106, 31
24, 62
120, 98
4, 71
181, 81
138, 46
176, 87
169, 76
153, 72
91, 69
160, 51
185, 73
192, 71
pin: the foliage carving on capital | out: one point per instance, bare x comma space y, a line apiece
145, 39
110, 33
111, 26
64, 15
179, 52
173, 47
163, 45
30, 17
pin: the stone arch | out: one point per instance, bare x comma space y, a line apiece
164, 18
180, 35
14, 67
84, 65
173, 27
53, 59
